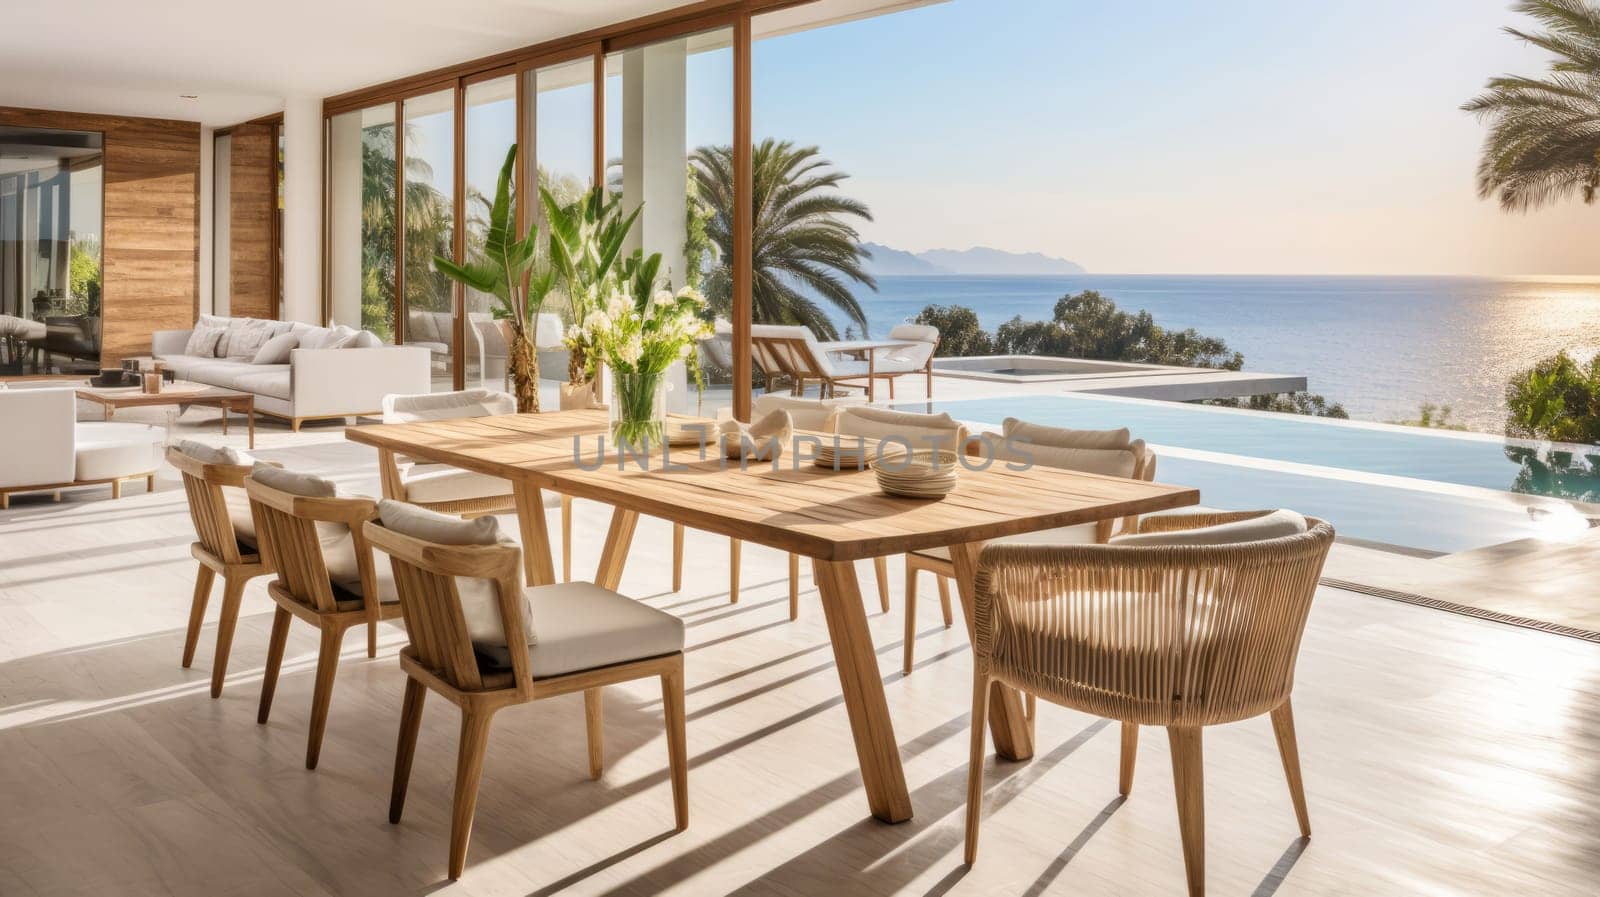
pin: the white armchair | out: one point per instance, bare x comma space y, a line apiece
59, 452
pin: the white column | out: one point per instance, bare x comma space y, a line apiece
344, 218
302, 210
654, 158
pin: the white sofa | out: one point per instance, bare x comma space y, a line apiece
57, 452
485, 342
315, 384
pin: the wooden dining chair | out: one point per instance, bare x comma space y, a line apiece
1067, 450
313, 539
213, 480
1194, 621
471, 625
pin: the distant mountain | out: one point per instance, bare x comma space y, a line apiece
887, 260
983, 260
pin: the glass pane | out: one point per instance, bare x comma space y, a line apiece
564, 140
50, 226
361, 227
668, 105
491, 129
564, 128
429, 228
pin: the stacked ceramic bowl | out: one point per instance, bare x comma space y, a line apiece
691, 431
849, 454
923, 474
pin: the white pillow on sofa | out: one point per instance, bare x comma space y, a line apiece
203, 341
277, 349
245, 337
335, 337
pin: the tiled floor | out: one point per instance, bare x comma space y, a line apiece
1442, 755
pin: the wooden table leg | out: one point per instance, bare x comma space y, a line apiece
1008, 724
857, 662
250, 417
614, 554
536, 563
223, 406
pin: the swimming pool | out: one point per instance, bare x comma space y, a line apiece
1428, 490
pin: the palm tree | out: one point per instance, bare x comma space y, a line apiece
428, 222
804, 241
1544, 133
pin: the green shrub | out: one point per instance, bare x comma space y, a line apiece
1556, 399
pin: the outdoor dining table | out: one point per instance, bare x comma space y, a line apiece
833, 517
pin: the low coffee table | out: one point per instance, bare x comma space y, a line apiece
180, 393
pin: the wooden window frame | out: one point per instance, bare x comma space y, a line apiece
704, 15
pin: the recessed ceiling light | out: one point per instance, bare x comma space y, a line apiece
188, 96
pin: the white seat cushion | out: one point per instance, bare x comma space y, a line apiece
181, 365
1106, 462
106, 451
338, 545
221, 372
266, 380
428, 483
1081, 534
581, 626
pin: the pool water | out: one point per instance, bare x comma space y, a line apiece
1413, 498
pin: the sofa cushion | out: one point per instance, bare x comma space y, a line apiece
104, 451
583, 626
223, 372
1274, 525
334, 337
266, 380
203, 342
366, 339
245, 337
181, 365
276, 350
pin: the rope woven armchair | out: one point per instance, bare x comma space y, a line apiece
1175, 635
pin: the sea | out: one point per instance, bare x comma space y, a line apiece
1380, 345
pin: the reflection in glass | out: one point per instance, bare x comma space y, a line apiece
50, 227
361, 225
429, 228
491, 129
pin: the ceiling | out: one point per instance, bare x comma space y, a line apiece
241, 59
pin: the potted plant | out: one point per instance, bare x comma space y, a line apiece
586, 239
512, 271
639, 333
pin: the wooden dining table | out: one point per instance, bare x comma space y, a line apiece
833, 517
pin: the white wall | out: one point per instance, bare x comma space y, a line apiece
302, 209
344, 218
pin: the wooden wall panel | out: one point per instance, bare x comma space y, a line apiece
251, 196
151, 245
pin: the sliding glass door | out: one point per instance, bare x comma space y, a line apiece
491, 122
360, 208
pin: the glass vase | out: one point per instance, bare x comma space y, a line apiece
638, 408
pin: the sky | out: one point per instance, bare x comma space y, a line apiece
1167, 136
1237, 136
